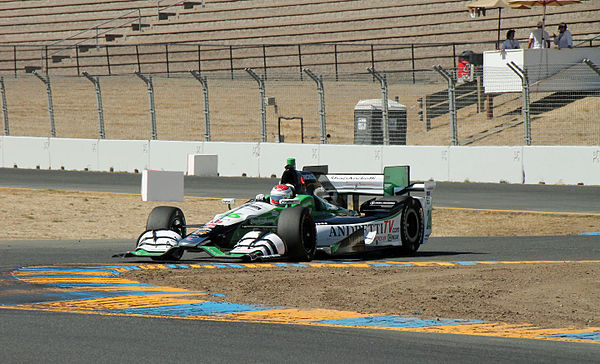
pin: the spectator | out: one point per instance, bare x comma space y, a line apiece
510, 42
536, 38
564, 39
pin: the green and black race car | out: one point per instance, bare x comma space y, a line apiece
314, 217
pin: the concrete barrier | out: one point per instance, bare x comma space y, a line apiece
167, 155
511, 164
162, 185
489, 164
562, 165
73, 154
202, 165
26, 152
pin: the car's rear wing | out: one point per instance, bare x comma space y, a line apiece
394, 181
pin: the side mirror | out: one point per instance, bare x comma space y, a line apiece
228, 202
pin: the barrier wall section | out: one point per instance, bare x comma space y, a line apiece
520, 164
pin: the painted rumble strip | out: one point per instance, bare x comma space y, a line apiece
101, 289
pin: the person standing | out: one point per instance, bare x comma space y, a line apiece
564, 38
510, 42
537, 39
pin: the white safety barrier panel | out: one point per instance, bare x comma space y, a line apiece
509, 164
202, 165
162, 185
561, 165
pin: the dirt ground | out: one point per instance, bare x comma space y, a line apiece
546, 295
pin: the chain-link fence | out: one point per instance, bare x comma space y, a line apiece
294, 107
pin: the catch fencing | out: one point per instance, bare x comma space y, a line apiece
444, 106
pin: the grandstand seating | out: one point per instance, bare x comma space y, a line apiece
399, 33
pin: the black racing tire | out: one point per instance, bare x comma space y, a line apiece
296, 227
167, 218
411, 227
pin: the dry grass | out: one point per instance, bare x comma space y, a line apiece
52, 214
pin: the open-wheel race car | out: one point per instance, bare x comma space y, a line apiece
307, 211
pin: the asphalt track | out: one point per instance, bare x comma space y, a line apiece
29, 336
460, 195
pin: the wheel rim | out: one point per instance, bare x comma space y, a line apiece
412, 225
308, 241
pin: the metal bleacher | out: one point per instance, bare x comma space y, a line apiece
63, 35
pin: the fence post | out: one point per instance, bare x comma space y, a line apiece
412, 57
137, 55
46, 81
4, 106
336, 62
148, 81
77, 58
199, 59
15, 59
167, 57
206, 109
231, 60
96, 83
321, 90
107, 59
300, 61
264, 61
384, 104
263, 111
451, 103
526, 115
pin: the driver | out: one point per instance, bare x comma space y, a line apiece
280, 192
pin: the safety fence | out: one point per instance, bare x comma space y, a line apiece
335, 59
441, 106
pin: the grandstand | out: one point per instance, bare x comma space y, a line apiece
60, 35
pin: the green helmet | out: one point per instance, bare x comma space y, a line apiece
291, 162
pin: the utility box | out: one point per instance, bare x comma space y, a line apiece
368, 122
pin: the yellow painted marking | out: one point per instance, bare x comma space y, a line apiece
111, 303
293, 315
51, 273
77, 280
129, 289
357, 265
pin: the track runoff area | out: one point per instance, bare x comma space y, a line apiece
101, 289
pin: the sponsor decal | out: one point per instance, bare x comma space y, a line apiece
234, 215
262, 221
382, 227
392, 237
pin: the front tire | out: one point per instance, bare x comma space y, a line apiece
296, 227
167, 218
411, 230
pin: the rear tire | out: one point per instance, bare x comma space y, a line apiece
167, 218
296, 227
411, 229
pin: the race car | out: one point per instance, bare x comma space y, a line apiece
305, 213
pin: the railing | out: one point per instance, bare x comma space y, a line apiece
94, 36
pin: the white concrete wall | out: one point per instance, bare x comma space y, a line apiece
512, 164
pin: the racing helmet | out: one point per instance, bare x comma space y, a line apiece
280, 192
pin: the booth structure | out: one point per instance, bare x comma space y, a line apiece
547, 70
368, 122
